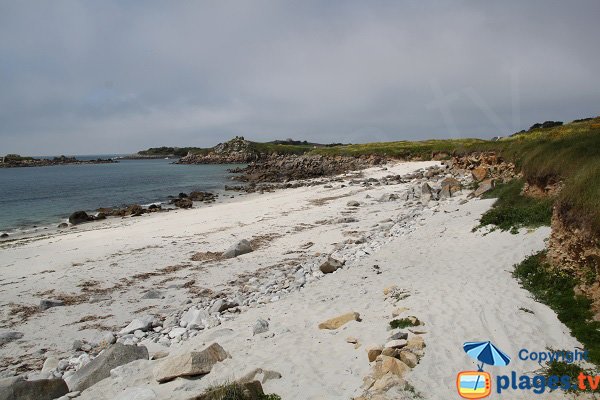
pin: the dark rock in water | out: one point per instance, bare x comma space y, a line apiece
46, 304
331, 265
99, 368
42, 389
154, 207
63, 225
183, 203
79, 217
134, 210
4, 235
241, 247
11, 336
201, 196
183, 195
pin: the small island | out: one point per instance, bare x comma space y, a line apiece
16, 161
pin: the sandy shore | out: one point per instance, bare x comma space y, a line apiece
457, 282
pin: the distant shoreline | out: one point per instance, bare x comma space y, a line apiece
17, 161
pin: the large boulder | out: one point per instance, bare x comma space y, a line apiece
79, 217
99, 368
189, 364
41, 389
241, 247
484, 186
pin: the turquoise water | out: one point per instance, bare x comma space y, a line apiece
35, 196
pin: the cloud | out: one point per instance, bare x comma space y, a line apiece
99, 77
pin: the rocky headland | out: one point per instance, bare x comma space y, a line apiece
16, 161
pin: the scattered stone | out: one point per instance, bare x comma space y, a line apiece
335, 323
385, 364
399, 336
7, 337
415, 343
63, 225
241, 247
373, 352
46, 304
353, 203
396, 344
261, 375
417, 331
351, 339
177, 332
99, 368
261, 326
221, 305
331, 265
143, 324
41, 389
409, 358
194, 318
484, 186
79, 217
50, 364
189, 364
391, 352
183, 203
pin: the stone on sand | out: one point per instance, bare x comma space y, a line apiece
143, 324
385, 364
10, 336
99, 368
331, 265
373, 352
261, 326
41, 389
241, 247
336, 322
189, 364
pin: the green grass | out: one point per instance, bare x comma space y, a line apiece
232, 391
556, 289
403, 323
512, 210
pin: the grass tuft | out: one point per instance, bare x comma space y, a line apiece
403, 323
556, 289
512, 210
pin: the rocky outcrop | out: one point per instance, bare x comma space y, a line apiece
15, 161
576, 249
483, 166
236, 151
284, 168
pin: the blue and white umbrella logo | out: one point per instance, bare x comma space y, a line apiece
486, 353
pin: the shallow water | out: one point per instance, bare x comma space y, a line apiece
46, 195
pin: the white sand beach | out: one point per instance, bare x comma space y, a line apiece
458, 283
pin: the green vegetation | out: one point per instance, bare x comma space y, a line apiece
572, 370
234, 391
512, 210
171, 151
403, 323
556, 289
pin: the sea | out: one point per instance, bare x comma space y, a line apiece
32, 197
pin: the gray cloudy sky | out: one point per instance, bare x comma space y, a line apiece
83, 77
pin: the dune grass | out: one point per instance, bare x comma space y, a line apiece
512, 210
555, 288
234, 391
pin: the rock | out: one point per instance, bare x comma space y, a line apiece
42, 389
189, 364
99, 368
183, 203
143, 324
353, 203
221, 305
107, 339
79, 217
10, 336
391, 352
449, 187
46, 304
373, 352
261, 375
153, 294
261, 326
63, 225
386, 382
331, 265
241, 247
136, 393
415, 343
335, 323
175, 332
409, 358
50, 364
352, 340
385, 364
396, 344
4, 235
194, 318
484, 186
399, 336
480, 173
389, 290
